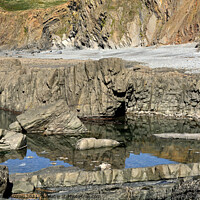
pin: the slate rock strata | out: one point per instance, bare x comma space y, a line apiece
55, 118
158, 182
60, 176
104, 88
186, 188
10, 140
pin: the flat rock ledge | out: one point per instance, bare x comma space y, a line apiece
55, 118
11, 140
59, 176
187, 136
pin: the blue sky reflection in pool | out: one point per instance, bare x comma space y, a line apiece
145, 160
31, 164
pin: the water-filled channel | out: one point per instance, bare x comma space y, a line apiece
140, 148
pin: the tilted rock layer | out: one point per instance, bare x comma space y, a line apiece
104, 88
11, 140
102, 23
49, 119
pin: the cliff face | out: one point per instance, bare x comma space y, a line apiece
101, 23
104, 88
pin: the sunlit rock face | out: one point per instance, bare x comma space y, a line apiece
49, 119
101, 24
104, 88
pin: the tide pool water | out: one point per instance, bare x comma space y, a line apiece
140, 148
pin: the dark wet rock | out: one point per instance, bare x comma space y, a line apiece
145, 190
3, 179
93, 143
55, 118
6, 118
11, 140
187, 188
16, 154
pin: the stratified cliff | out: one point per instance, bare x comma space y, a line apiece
102, 24
103, 88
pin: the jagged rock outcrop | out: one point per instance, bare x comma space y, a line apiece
10, 140
101, 24
49, 119
105, 88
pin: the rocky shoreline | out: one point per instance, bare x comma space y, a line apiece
107, 88
160, 182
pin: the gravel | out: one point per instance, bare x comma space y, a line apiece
183, 56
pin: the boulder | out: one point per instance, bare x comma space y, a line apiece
11, 140
49, 119
22, 187
3, 179
90, 143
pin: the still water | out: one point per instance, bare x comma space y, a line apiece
140, 148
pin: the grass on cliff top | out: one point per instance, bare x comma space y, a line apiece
14, 5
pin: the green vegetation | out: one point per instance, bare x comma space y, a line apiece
25, 30
14, 5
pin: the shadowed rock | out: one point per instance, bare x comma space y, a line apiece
3, 179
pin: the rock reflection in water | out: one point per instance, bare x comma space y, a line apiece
6, 118
20, 154
135, 133
63, 148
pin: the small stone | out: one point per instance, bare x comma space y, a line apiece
59, 52
105, 166
30, 157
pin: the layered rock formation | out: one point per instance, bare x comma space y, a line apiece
101, 24
61, 176
10, 140
83, 187
105, 88
49, 119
